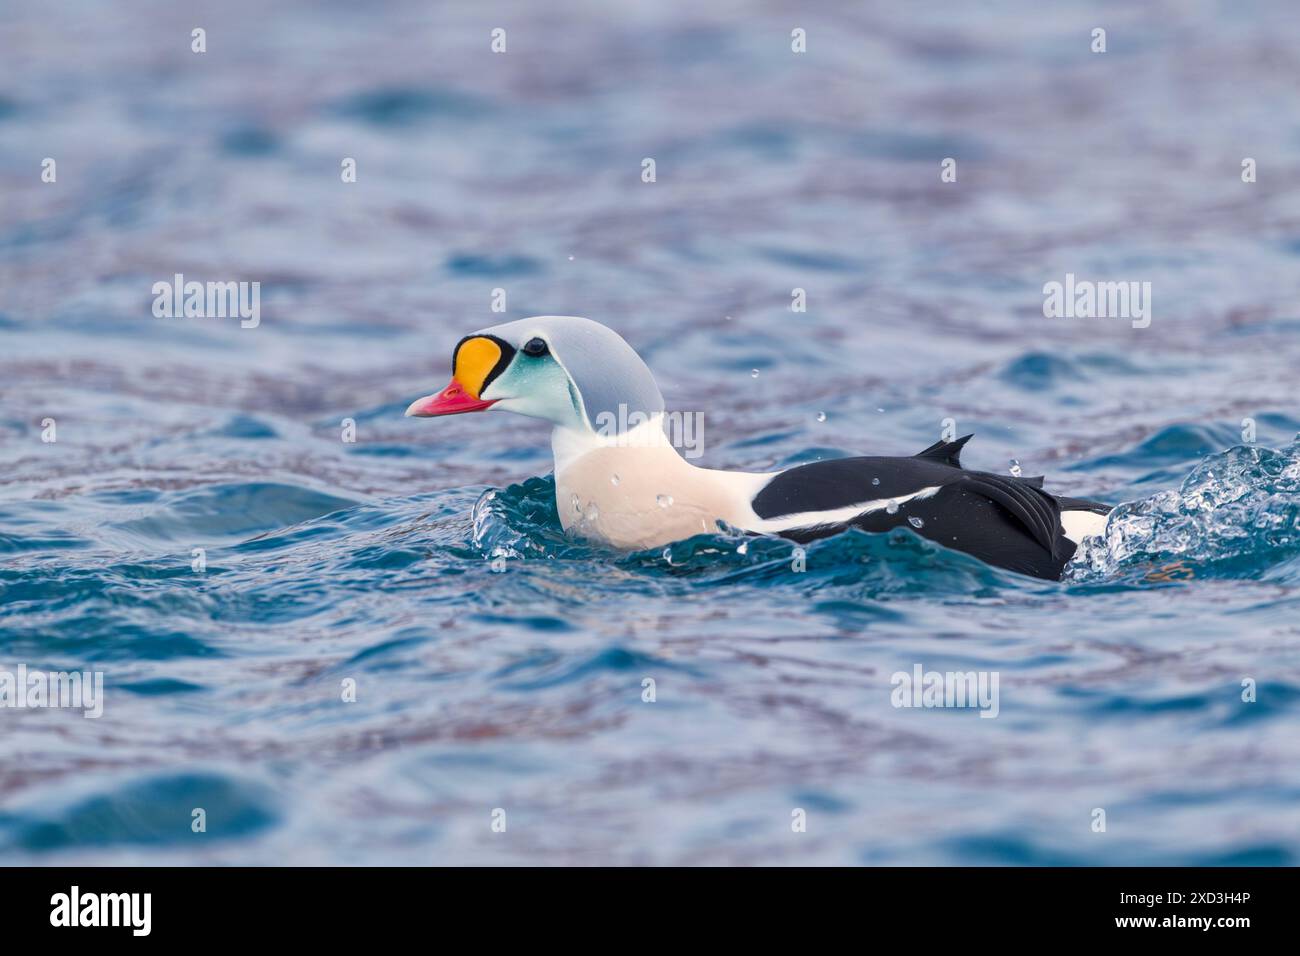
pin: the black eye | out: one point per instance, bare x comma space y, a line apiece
535, 347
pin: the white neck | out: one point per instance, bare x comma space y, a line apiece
570, 444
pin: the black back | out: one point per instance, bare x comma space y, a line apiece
1005, 521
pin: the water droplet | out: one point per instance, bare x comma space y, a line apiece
753, 373
577, 507
668, 555
881, 410
821, 416
892, 507
664, 501
613, 479
570, 258
593, 513
742, 548
915, 522
1015, 468
875, 481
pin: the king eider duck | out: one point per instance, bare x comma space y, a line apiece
619, 480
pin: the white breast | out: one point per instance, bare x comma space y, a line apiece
637, 492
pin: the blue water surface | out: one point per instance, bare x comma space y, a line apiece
500, 665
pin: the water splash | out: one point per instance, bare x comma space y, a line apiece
518, 522
1236, 515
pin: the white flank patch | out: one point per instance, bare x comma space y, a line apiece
1077, 525
815, 519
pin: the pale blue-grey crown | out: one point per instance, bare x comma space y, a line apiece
606, 370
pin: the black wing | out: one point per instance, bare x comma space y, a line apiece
1006, 521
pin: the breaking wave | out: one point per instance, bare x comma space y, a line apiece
1237, 515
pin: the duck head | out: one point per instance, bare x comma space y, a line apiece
570, 371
